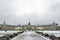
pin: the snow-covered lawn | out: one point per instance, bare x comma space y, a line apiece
29, 35
2, 33
56, 33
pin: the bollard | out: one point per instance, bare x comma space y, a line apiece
59, 38
55, 38
46, 35
15, 34
10, 35
20, 32
51, 36
5, 38
39, 32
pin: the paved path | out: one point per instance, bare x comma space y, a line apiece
29, 36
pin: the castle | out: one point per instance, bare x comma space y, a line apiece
53, 26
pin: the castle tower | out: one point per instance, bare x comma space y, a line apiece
54, 23
4, 23
29, 23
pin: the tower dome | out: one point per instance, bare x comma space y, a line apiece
29, 23
54, 23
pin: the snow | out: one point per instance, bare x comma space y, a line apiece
29, 35
3, 33
29, 32
56, 33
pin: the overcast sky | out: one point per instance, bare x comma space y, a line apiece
37, 11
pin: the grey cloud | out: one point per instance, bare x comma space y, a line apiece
8, 11
53, 13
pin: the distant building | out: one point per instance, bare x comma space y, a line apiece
53, 26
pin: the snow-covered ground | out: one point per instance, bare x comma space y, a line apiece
2, 33
56, 33
29, 35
